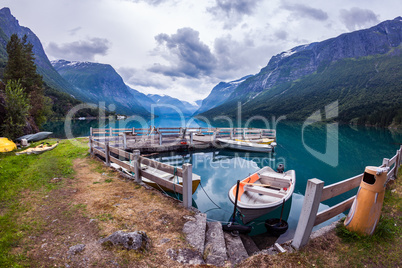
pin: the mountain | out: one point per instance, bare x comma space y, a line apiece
219, 94
361, 69
9, 25
95, 82
166, 105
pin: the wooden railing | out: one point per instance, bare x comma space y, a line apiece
317, 193
137, 162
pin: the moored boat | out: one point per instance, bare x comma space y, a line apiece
196, 179
6, 145
35, 137
246, 145
39, 149
259, 141
262, 192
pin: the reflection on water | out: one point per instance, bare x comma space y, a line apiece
220, 169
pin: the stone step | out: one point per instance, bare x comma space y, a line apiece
194, 229
249, 244
235, 248
215, 247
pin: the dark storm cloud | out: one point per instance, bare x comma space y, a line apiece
188, 56
84, 50
357, 18
232, 11
305, 11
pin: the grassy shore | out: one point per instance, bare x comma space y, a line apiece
61, 198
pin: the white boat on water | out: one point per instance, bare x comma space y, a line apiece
247, 145
262, 192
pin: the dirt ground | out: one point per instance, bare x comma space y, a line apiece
93, 205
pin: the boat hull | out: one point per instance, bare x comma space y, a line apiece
246, 146
253, 204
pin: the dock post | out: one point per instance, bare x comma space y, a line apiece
187, 185
111, 132
385, 162
91, 145
137, 166
191, 137
124, 140
160, 138
244, 134
231, 133
312, 199
133, 131
107, 153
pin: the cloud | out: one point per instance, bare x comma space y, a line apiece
75, 30
187, 55
142, 78
305, 11
357, 18
232, 11
84, 50
281, 34
150, 2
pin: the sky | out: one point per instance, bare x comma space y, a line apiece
183, 48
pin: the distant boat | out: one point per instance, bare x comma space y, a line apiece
35, 137
247, 146
121, 117
262, 192
81, 118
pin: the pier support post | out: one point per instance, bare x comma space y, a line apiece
191, 137
107, 153
137, 166
312, 199
160, 138
244, 134
231, 133
187, 185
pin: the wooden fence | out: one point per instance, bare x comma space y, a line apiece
316, 193
137, 163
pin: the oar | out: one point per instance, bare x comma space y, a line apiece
235, 205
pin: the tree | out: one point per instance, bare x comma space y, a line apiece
21, 67
17, 109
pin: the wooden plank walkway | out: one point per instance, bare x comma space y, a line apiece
174, 139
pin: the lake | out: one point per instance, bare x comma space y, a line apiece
330, 154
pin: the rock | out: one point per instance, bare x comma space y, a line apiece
185, 255
215, 248
235, 248
76, 249
195, 231
137, 240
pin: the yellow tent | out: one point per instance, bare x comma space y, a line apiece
6, 145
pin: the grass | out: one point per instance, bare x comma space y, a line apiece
380, 248
20, 176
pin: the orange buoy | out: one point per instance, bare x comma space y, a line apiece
366, 208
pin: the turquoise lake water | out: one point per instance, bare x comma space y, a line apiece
315, 151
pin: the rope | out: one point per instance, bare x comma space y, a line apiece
212, 200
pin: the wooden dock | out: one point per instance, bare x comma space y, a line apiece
154, 139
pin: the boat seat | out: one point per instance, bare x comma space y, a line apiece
275, 179
265, 191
